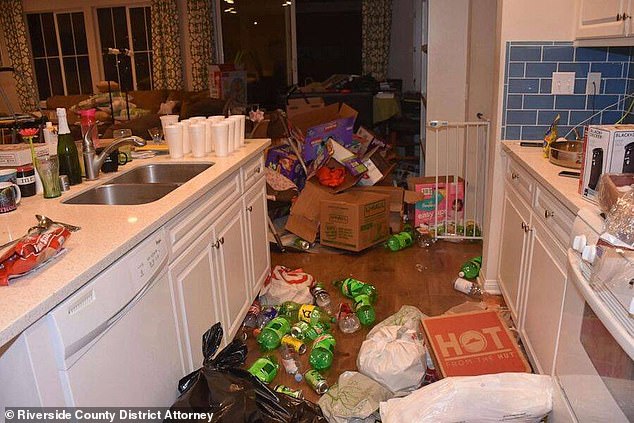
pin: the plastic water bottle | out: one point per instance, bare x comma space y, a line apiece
471, 269
265, 316
291, 363
468, 287
399, 241
322, 297
272, 334
348, 321
323, 352
364, 310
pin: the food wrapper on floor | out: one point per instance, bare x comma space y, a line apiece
232, 394
354, 398
489, 398
284, 284
394, 356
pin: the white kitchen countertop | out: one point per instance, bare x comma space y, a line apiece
533, 161
107, 233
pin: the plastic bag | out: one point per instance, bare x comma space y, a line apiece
231, 394
284, 284
394, 356
408, 316
620, 220
355, 398
520, 397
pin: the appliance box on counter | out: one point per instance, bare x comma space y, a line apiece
354, 221
20, 154
607, 149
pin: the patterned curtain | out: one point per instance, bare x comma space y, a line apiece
201, 35
377, 21
167, 65
15, 35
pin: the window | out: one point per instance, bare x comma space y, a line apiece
60, 53
127, 29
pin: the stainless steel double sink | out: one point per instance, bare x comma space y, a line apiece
141, 185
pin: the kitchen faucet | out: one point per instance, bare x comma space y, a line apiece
94, 161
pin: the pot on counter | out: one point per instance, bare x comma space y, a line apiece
566, 153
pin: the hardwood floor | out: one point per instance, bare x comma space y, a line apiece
398, 281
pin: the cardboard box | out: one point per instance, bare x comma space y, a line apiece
295, 106
226, 82
333, 121
20, 154
377, 168
471, 344
354, 221
595, 161
399, 197
622, 150
284, 161
345, 157
439, 201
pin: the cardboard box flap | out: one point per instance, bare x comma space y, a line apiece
304, 218
311, 118
302, 227
413, 180
413, 197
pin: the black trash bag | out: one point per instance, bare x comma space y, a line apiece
233, 394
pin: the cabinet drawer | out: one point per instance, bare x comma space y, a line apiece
252, 172
520, 180
185, 228
556, 217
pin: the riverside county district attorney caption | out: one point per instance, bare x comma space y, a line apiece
102, 415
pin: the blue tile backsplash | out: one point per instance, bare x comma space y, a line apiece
529, 106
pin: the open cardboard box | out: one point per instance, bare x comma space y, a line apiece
295, 106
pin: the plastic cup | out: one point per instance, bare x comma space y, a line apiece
208, 136
197, 138
220, 135
174, 138
187, 147
48, 169
167, 120
231, 125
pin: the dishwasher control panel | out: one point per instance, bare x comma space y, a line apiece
143, 261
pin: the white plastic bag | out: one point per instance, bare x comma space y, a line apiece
394, 356
517, 397
284, 284
408, 316
355, 398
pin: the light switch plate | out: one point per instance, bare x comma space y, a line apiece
563, 83
593, 77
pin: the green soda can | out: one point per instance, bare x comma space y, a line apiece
316, 381
283, 389
265, 368
352, 288
323, 352
272, 334
364, 310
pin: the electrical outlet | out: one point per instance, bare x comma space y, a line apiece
563, 83
593, 84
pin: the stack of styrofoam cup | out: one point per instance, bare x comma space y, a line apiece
208, 135
174, 137
168, 120
220, 136
197, 139
187, 148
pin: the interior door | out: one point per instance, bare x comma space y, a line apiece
601, 18
231, 236
195, 291
514, 217
258, 245
545, 287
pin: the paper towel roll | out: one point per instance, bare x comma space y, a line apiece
174, 137
221, 138
197, 139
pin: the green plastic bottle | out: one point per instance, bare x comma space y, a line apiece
352, 288
271, 336
67, 150
471, 269
312, 314
290, 310
399, 241
265, 368
323, 352
364, 310
303, 330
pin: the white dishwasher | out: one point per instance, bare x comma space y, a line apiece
114, 342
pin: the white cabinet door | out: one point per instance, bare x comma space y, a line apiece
231, 236
602, 18
514, 218
546, 283
257, 230
195, 292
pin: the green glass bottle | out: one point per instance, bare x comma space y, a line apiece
399, 241
271, 336
323, 352
265, 368
471, 269
352, 288
364, 310
67, 150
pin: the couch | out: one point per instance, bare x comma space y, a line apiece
189, 103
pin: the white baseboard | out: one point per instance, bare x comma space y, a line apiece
490, 285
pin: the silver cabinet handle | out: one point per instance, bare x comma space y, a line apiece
216, 244
618, 17
527, 228
548, 213
222, 240
515, 176
524, 226
250, 209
